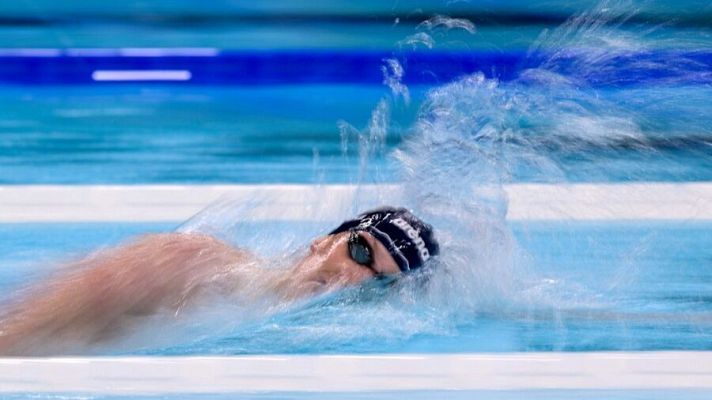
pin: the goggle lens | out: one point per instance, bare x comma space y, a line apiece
360, 250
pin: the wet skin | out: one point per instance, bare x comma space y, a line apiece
98, 299
329, 265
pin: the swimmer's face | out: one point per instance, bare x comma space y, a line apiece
330, 264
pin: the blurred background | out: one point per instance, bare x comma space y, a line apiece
475, 93
168, 91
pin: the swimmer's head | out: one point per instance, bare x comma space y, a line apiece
408, 240
381, 243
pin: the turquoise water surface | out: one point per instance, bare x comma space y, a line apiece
601, 93
291, 134
586, 287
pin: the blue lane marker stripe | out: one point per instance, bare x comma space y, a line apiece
312, 67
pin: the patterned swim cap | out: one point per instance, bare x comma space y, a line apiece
408, 239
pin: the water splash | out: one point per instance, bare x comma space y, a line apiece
469, 138
441, 21
418, 39
392, 77
476, 134
595, 46
439, 25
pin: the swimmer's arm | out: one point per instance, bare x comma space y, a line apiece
95, 301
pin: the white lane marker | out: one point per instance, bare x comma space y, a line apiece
140, 75
30, 52
176, 203
364, 373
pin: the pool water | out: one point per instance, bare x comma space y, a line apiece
291, 134
619, 95
590, 287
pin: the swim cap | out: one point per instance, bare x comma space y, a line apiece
409, 240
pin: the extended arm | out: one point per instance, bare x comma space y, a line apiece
92, 301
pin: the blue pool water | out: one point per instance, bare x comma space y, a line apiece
586, 287
615, 95
620, 94
290, 134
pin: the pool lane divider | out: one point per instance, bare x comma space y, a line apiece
359, 373
690, 201
211, 66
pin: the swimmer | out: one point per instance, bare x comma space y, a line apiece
99, 299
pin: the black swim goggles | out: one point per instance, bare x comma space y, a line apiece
359, 249
361, 252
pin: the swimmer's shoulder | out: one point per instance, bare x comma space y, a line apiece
184, 243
